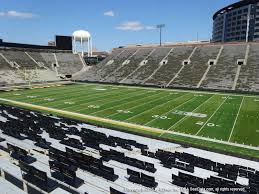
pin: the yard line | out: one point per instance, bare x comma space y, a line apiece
72, 94
241, 104
156, 106
171, 110
140, 105
128, 96
93, 98
154, 94
182, 119
212, 115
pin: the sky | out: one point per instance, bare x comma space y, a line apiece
112, 23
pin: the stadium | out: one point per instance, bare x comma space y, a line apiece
155, 119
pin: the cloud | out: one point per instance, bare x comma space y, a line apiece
17, 14
150, 27
134, 26
109, 13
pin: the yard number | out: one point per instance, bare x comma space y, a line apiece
93, 106
208, 124
160, 117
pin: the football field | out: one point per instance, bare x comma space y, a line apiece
232, 118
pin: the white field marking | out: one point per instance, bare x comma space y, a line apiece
257, 131
139, 94
79, 98
49, 99
69, 103
51, 94
241, 104
212, 115
164, 114
62, 98
109, 100
100, 89
32, 96
17, 94
182, 90
124, 111
156, 106
190, 114
256, 100
123, 104
142, 103
183, 119
112, 100
122, 123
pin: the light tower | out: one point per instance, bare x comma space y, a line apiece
160, 27
82, 38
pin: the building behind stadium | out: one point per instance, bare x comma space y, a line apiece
237, 22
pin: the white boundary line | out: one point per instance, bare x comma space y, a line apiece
234, 125
212, 115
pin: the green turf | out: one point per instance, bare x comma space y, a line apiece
226, 117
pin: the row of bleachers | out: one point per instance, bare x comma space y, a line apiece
164, 75
222, 75
130, 67
164, 67
20, 58
107, 66
192, 73
147, 69
68, 63
248, 78
3, 64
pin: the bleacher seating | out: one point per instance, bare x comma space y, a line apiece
130, 67
153, 66
248, 77
193, 72
20, 58
25, 125
147, 69
209, 67
168, 71
222, 75
106, 67
68, 63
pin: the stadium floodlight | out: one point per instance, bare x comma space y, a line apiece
160, 26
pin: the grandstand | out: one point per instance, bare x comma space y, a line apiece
50, 66
146, 119
211, 66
